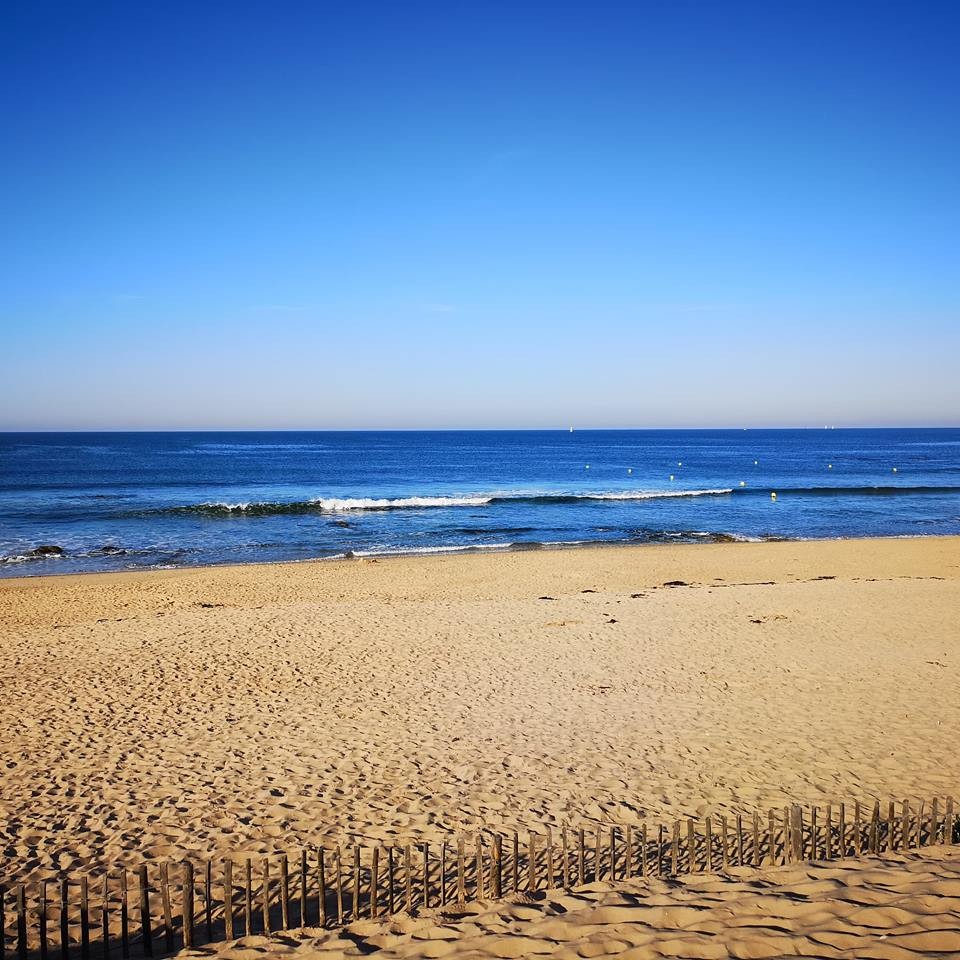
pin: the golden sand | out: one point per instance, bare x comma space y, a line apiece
254, 709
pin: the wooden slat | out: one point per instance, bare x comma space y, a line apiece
724, 849
304, 887
566, 857
708, 844
498, 866
905, 828
612, 856
643, 849
338, 882
934, 822
756, 839
675, 865
949, 828
740, 840
165, 906
22, 945
692, 863
208, 899
828, 834
228, 899
104, 918
408, 878
516, 862
124, 917
771, 838
355, 886
374, 882
425, 853
842, 831
41, 923
581, 857
284, 893
65, 918
248, 897
84, 918
443, 874
391, 878
264, 895
322, 888
145, 929
461, 879
188, 904
548, 852
857, 828
532, 862
478, 885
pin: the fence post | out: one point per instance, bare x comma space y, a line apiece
248, 897
581, 858
391, 902
322, 890
165, 905
478, 866
84, 918
228, 899
532, 863
425, 850
187, 907
124, 917
42, 919
105, 916
145, 911
338, 868
65, 918
265, 905
304, 877
22, 922
408, 877
356, 882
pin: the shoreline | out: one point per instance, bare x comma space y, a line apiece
443, 553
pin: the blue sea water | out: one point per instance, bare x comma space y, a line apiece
114, 501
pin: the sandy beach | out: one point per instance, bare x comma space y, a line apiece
254, 709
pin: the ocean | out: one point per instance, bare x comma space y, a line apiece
73, 502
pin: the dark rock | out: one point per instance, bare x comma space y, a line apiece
46, 550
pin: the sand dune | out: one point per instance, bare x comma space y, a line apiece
892, 908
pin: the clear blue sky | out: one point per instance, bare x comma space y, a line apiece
459, 214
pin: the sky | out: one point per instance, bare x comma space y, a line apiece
451, 215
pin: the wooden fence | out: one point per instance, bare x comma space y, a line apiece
159, 907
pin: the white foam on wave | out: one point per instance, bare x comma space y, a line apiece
652, 494
415, 551
334, 504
